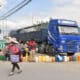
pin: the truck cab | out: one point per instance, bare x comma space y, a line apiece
64, 36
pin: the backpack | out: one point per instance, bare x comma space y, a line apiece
14, 49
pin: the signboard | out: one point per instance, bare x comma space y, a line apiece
67, 22
2, 44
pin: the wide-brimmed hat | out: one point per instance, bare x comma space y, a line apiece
12, 40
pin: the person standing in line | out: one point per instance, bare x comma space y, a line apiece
32, 48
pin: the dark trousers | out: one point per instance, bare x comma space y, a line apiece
15, 65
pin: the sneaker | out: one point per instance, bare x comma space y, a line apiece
11, 73
19, 71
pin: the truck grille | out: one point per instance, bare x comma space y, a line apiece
70, 46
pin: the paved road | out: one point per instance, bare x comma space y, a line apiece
42, 71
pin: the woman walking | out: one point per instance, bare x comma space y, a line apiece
15, 56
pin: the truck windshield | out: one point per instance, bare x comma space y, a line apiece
68, 30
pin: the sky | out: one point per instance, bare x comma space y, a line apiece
39, 11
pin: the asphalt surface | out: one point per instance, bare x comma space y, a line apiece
42, 71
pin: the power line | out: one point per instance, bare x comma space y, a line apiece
15, 9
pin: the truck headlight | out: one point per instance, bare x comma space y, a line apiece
60, 48
63, 41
